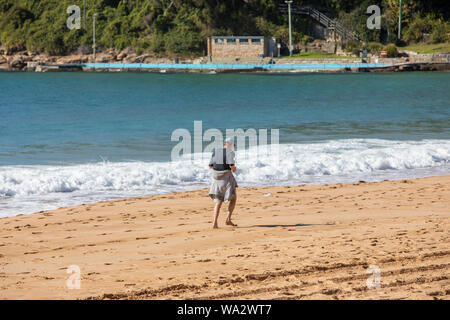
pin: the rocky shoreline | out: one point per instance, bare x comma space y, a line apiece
32, 61
20, 61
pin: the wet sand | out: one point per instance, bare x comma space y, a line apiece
303, 242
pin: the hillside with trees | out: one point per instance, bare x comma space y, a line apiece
180, 27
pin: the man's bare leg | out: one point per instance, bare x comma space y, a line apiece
216, 213
231, 206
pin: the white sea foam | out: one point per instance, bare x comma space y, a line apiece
26, 189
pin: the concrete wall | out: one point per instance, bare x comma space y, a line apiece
253, 48
434, 57
416, 58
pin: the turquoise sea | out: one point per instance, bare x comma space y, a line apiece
72, 138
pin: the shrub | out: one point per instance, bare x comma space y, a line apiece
437, 29
391, 50
266, 28
307, 39
441, 32
83, 49
353, 46
182, 40
374, 47
283, 34
417, 27
157, 44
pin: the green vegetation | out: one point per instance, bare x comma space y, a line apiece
374, 47
353, 47
180, 27
165, 27
428, 29
418, 17
316, 55
391, 50
428, 48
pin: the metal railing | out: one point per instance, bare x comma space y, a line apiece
322, 19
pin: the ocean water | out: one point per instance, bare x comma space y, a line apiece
73, 138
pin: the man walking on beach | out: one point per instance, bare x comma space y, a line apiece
223, 187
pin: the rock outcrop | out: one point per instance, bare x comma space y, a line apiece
17, 63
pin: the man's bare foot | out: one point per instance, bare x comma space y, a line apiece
215, 226
228, 222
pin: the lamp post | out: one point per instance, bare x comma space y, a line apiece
84, 13
94, 44
290, 26
400, 21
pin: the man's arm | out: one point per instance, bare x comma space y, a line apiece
211, 162
231, 160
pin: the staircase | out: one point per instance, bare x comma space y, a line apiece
320, 18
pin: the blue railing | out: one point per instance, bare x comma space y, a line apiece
162, 66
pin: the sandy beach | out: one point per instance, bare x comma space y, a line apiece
302, 242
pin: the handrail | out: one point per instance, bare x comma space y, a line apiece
321, 18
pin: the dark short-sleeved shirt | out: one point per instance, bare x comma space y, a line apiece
222, 159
